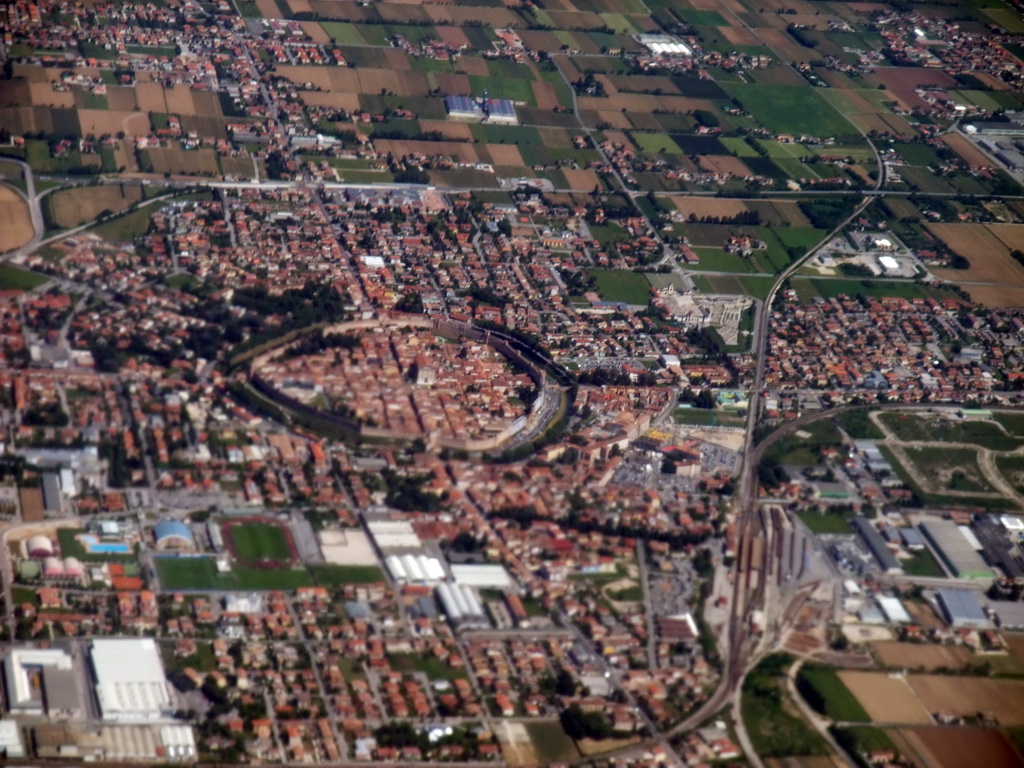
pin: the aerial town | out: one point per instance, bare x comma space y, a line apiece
604, 383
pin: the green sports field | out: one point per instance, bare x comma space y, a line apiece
253, 542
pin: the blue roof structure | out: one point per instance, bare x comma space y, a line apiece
501, 107
171, 529
462, 104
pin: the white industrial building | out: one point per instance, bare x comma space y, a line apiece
34, 674
661, 45
393, 534
461, 606
485, 576
893, 610
11, 745
410, 567
130, 681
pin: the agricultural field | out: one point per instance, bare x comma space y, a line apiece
71, 207
924, 658
791, 109
15, 222
958, 747
998, 699
987, 247
825, 693
886, 699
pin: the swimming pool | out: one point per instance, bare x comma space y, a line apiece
96, 547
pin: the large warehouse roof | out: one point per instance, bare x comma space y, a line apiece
956, 551
488, 576
130, 681
876, 545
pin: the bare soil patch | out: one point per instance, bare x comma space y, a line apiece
150, 97
952, 747
584, 181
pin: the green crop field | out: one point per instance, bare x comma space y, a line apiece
655, 143
343, 33
259, 541
790, 109
620, 285
826, 694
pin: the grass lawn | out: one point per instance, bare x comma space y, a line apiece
827, 694
179, 280
432, 667
550, 743
790, 109
822, 522
984, 434
337, 575
620, 285
13, 278
124, 229
858, 425
22, 595
276, 578
1011, 468
200, 573
863, 738
701, 417
259, 541
953, 469
628, 595
922, 564
717, 260
202, 660
190, 573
